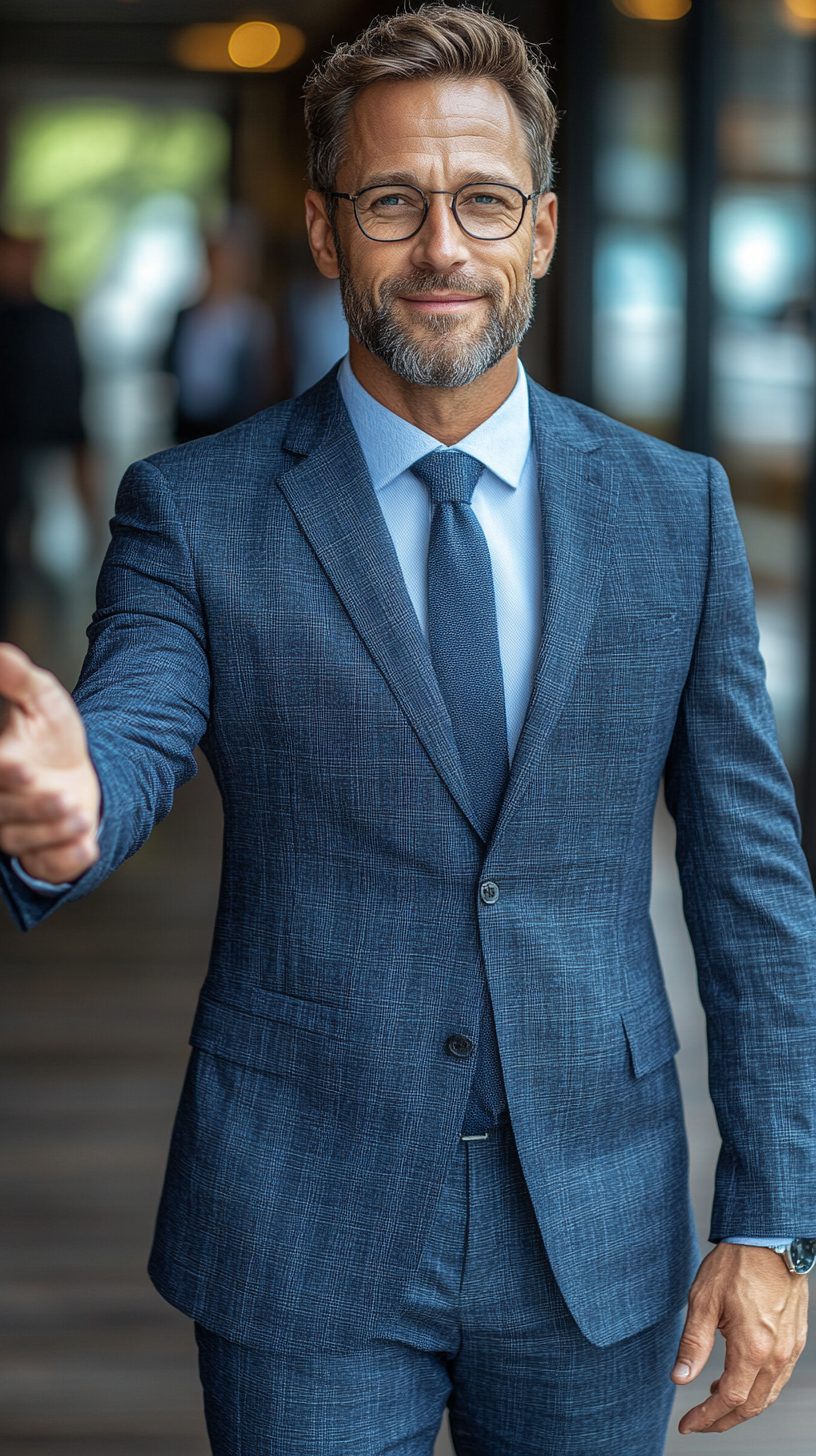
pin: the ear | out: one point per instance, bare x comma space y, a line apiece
321, 235
546, 227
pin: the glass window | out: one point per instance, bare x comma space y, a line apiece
763, 244
639, 272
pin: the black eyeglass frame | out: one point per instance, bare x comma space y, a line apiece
439, 192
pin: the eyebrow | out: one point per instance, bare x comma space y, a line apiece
410, 179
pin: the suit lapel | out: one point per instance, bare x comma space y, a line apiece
579, 499
331, 495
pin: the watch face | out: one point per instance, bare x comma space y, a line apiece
803, 1255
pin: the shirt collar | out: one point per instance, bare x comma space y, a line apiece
391, 444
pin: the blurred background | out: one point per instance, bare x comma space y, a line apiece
155, 285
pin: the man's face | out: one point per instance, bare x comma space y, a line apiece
439, 308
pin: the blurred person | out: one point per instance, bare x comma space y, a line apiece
440, 633
317, 327
221, 351
40, 393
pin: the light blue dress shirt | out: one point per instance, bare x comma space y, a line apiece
507, 504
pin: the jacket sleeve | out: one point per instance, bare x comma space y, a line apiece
749, 906
145, 685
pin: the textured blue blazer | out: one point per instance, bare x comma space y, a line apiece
251, 600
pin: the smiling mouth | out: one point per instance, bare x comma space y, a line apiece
440, 302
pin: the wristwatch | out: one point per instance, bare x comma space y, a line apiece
799, 1255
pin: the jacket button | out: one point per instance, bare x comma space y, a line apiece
459, 1046
488, 892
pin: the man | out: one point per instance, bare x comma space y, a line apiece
221, 349
440, 634
40, 395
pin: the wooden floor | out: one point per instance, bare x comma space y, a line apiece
96, 1007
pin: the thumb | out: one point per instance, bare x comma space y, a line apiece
21, 682
696, 1344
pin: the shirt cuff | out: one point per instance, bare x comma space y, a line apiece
41, 887
776, 1244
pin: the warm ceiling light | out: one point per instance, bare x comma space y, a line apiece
254, 44
258, 45
653, 9
802, 9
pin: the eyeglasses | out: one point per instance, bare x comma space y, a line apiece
392, 213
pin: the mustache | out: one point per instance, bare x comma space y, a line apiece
440, 283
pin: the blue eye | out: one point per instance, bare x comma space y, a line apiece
388, 201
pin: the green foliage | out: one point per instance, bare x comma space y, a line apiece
78, 168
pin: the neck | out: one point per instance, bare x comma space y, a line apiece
447, 414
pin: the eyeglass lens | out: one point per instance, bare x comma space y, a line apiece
484, 210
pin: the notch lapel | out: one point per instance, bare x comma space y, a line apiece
331, 495
579, 492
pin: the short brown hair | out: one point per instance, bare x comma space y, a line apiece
433, 40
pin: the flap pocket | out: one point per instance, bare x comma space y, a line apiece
652, 1042
295, 1011
283, 1031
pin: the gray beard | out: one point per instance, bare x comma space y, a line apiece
441, 359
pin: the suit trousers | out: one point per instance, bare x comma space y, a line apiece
480, 1327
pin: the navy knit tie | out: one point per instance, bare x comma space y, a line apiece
462, 628
465, 651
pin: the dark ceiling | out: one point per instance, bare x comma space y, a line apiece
136, 34
318, 13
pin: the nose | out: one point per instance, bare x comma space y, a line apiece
440, 243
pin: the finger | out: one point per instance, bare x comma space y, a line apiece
67, 863
733, 1390
763, 1393
19, 839
696, 1344
20, 681
38, 809
782, 1380
13, 776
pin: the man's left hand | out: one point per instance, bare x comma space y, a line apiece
761, 1309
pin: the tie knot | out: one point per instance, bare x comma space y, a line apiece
450, 475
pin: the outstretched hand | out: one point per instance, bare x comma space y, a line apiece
748, 1294
49, 792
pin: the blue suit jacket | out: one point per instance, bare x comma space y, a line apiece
251, 599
